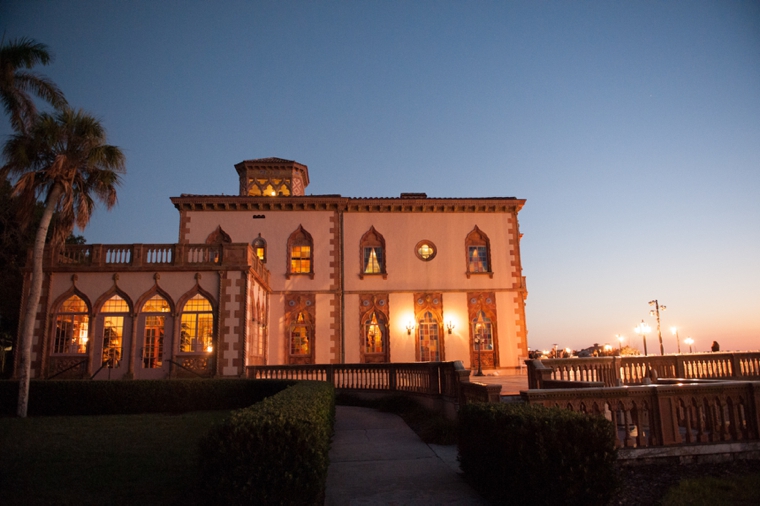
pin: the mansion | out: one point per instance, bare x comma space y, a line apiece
273, 276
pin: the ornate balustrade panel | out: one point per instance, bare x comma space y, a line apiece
664, 415
158, 254
117, 254
634, 370
437, 378
75, 255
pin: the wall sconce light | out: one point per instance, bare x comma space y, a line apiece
409, 328
450, 326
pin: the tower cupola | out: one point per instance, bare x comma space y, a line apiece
272, 177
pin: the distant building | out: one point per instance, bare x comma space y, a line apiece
273, 276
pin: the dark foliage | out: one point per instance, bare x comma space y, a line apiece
516, 454
275, 452
74, 397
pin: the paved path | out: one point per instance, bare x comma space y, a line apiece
377, 459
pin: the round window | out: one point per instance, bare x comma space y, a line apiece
425, 250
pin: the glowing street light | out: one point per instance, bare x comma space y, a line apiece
674, 331
656, 312
689, 341
643, 329
620, 339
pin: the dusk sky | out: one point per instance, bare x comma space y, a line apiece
631, 128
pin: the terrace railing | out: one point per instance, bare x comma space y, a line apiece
667, 414
634, 370
430, 378
99, 257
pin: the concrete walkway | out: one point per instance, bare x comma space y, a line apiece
377, 459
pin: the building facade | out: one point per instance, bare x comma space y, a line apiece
273, 276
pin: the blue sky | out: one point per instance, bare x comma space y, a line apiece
631, 128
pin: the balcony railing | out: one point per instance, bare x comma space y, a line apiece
633, 370
94, 257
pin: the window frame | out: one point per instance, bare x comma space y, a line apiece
477, 239
257, 243
299, 238
195, 339
372, 239
85, 322
431, 245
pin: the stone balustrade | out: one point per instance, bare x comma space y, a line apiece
667, 414
443, 379
151, 257
635, 369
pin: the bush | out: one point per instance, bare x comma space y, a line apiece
73, 397
275, 452
516, 453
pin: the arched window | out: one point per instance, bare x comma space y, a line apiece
372, 253
482, 330
375, 334
427, 333
72, 324
197, 326
115, 310
300, 253
260, 248
153, 338
478, 251
300, 336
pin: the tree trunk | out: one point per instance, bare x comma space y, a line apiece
33, 300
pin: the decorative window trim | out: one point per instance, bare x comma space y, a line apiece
218, 236
429, 303
197, 290
372, 238
376, 303
300, 237
477, 238
58, 312
260, 242
485, 302
430, 244
295, 304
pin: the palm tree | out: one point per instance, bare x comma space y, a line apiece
16, 83
63, 158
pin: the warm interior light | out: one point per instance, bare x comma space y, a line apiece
209, 348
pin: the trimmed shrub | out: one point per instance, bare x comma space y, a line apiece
275, 452
73, 397
519, 453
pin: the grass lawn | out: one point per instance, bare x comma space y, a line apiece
118, 459
709, 491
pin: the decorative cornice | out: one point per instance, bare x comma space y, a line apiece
348, 204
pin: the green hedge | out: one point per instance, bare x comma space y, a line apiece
73, 397
275, 452
518, 453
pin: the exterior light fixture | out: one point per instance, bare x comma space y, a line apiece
620, 340
409, 328
656, 312
674, 331
209, 348
450, 326
689, 341
643, 329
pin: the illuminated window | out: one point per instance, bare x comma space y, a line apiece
478, 250
300, 253
72, 325
374, 334
483, 329
197, 330
428, 336
113, 330
300, 339
153, 336
372, 252
260, 248
425, 250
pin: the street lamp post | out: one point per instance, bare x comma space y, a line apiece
620, 339
674, 330
656, 312
479, 326
689, 341
643, 329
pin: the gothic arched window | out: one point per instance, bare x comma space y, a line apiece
72, 325
197, 331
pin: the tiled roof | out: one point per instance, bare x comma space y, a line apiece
271, 159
